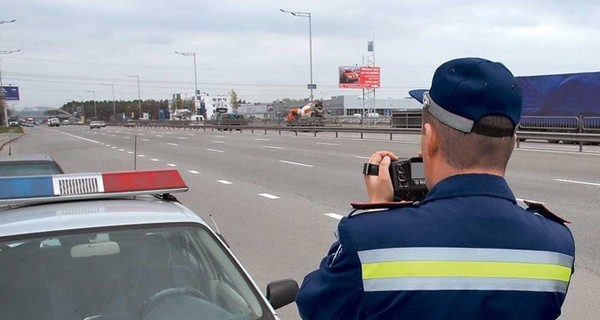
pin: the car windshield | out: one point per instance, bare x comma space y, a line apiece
28, 169
174, 272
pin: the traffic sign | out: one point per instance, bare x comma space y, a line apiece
10, 92
312, 86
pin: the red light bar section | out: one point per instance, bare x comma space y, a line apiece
142, 180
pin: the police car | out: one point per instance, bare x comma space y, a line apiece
119, 246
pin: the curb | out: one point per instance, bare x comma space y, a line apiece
10, 140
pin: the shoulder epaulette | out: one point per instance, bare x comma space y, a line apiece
367, 206
541, 209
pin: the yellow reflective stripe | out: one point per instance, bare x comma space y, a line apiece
465, 269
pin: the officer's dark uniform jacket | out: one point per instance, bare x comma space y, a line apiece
468, 251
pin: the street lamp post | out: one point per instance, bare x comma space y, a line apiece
311, 85
95, 112
2, 91
195, 74
2, 102
137, 76
113, 98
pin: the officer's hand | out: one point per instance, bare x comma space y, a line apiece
379, 188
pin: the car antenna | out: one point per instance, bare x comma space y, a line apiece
215, 223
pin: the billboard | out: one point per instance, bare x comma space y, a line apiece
356, 77
10, 92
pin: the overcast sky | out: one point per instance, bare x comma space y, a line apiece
69, 47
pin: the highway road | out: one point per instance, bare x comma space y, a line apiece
277, 198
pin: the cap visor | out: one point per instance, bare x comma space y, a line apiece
418, 94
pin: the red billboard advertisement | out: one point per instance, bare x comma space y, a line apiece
369, 77
359, 77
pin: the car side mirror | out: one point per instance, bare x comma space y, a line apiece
282, 292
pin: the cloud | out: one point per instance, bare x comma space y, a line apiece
69, 47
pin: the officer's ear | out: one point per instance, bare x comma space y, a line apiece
430, 144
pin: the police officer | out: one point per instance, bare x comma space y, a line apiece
467, 251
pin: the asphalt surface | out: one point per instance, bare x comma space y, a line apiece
277, 198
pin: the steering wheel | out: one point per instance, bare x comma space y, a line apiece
166, 294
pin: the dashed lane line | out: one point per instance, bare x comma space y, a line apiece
172, 144
268, 196
155, 160
579, 182
272, 147
193, 172
215, 141
328, 144
171, 165
334, 216
297, 163
224, 182
215, 150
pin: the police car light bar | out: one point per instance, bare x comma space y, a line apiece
89, 185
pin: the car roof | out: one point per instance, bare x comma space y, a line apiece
31, 204
84, 214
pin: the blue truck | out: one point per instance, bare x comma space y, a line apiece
558, 102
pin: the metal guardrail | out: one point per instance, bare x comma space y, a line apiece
575, 138
549, 123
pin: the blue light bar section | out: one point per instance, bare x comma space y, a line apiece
26, 187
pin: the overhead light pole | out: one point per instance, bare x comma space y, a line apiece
137, 76
113, 98
95, 111
193, 54
311, 85
2, 91
2, 102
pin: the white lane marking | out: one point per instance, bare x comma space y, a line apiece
262, 139
224, 182
334, 215
297, 163
215, 150
141, 155
114, 147
145, 140
193, 171
107, 145
328, 144
130, 152
155, 160
127, 137
579, 182
173, 144
190, 134
268, 196
141, 134
114, 135
219, 136
78, 137
528, 149
158, 136
361, 157
101, 143
272, 147
171, 165
182, 138
121, 149
214, 141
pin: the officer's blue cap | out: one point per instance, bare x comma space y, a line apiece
465, 90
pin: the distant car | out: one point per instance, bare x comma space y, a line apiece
119, 245
348, 76
28, 165
66, 121
54, 122
97, 124
129, 123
